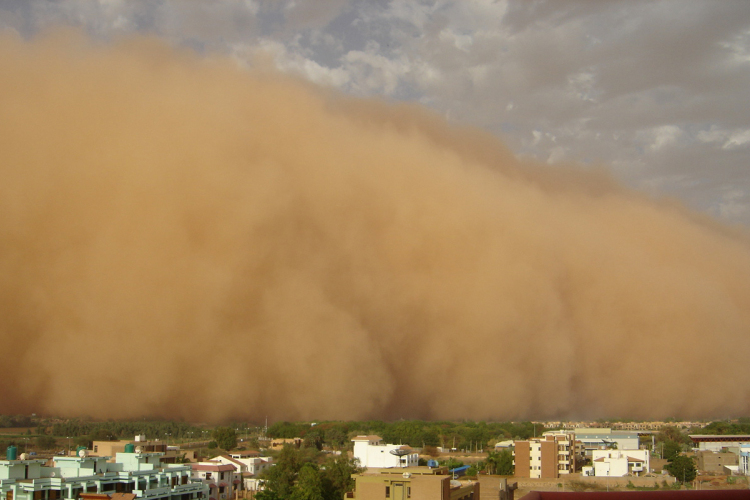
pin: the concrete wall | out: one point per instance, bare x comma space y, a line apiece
549, 460
714, 462
522, 459
429, 487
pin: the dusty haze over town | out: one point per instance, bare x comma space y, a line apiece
185, 236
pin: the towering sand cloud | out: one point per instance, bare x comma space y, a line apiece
182, 237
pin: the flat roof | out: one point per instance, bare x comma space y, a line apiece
719, 437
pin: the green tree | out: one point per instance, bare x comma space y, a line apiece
671, 433
281, 477
337, 476
490, 463
225, 437
335, 437
309, 484
682, 468
313, 439
505, 463
500, 462
671, 449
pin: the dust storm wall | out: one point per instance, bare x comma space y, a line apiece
185, 238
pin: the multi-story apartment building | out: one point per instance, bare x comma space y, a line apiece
140, 474
550, 456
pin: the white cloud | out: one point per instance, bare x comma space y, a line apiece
737, 139
664, 136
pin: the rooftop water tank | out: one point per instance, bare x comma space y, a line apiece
11, 453
130, 448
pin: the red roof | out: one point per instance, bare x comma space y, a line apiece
227, 457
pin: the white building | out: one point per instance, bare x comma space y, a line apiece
370, 452
223, 480
717, 442
252, 465
601, 438
140, 474
744, 466
618, 463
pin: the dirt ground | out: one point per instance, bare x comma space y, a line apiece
489, 485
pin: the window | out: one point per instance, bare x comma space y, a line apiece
408, 492
221, 475
208, 475
387, 492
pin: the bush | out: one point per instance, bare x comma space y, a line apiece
431, 451
212, 445
578, 485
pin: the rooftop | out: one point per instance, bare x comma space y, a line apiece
371, 437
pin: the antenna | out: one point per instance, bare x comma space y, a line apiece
400, 452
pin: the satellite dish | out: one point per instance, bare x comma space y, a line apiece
406, 475
138, 449
399, 452
455, 484
81, 453
52, 474
23, 456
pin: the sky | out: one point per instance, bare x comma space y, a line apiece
656, 92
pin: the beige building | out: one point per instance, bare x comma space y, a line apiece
413, 483
713, 462
547, 457
171, 454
